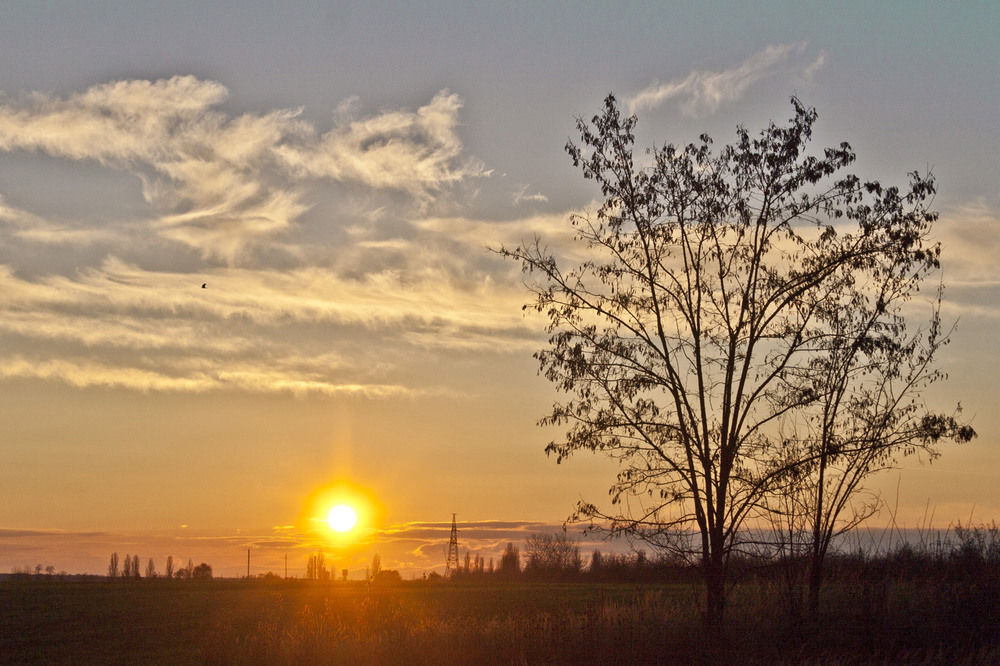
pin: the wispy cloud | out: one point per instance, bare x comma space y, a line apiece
220, 183
301, 331
705, 91
970, 240
321, 274
36, 229
521, 196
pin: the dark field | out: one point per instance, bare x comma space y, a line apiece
298, 622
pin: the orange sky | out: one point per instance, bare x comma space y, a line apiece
333, 176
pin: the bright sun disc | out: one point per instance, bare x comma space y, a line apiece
342, 518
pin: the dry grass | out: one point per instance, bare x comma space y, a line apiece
910, 607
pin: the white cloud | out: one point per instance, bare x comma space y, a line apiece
221, 183
970, 239
705, 91
36, 229
970, 242
318, 279
522, 196
305, 330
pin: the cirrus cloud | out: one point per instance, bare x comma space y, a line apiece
220, 183
705, 91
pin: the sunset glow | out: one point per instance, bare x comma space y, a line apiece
246, 278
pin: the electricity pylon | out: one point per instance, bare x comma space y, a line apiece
452, 564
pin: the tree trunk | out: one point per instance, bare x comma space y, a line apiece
715, 595
815, 582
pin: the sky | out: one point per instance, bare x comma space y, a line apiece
244, 263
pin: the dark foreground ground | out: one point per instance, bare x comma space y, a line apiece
296, 622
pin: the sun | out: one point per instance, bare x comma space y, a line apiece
342, 518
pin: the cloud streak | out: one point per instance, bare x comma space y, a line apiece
303, 331
704, 91
220, 183
324, 273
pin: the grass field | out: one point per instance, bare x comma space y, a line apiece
298, 622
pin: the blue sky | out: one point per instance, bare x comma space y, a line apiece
333, 173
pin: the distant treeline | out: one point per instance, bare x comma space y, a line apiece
129, 569
964, 552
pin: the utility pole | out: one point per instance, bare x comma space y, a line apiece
452, 564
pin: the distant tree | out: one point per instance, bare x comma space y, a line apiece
376, 567
150, 569
127, 567
595, 562
510, 561
50, 570
551, 555
113, 566
169, 572
190, 568
202, 572
387, 576
316, 567
135, 566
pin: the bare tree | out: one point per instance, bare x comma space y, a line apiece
135, 566
688, 336
150, 569
113, 566
169, 571
868, 415
551, 555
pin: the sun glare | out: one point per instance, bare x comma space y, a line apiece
342, 514
342, 518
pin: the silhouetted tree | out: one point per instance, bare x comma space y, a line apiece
316, 568
135, 566
376, 567
169, 571
113, 566
869, 415
510, 561
150, 569
387, 576
595, 562
688, 338
551, 555
202, 572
